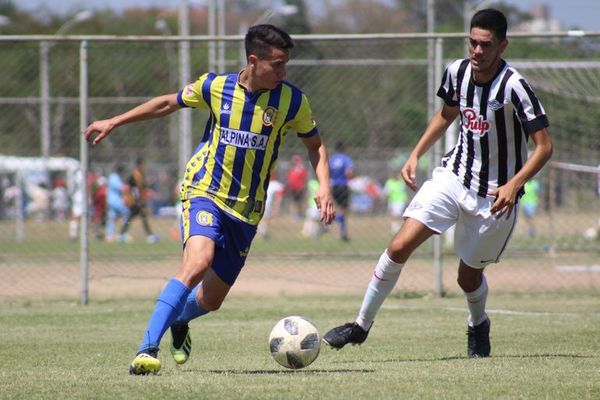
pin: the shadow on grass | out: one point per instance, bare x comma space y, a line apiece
453, 358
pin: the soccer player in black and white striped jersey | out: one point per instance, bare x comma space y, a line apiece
479, 183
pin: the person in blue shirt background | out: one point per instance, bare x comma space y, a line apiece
341, 167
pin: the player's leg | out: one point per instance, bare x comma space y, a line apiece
474, 285
385, 276
181, 343
480, 240
434, 209
134, 210
232, 240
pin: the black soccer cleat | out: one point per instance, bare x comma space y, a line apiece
342, 335
478, 340
181, 345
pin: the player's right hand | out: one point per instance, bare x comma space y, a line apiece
409, 173
101, 128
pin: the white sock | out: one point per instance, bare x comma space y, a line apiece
384, 279
73, 228
476, 303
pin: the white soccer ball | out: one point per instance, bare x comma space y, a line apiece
294, 342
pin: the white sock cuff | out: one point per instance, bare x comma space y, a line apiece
386, 267
388, 262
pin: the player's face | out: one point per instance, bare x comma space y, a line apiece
270, 71
485, 51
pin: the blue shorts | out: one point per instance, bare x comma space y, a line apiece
232, 237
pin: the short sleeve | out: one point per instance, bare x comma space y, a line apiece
196, 94
303, 123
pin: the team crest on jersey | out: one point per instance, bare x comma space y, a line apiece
269, 116
474, 122
495, 105
204, 218
189, 89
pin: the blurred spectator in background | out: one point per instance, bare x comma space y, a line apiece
312, 226
39, 205
60, 200
296, 185
272, 205
76, 205
529, 203
12, 193
341, 168
98, 194
136, 198
397, 196
116, 207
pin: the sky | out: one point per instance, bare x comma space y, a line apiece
581, 13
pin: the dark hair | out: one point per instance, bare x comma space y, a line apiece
492, 20
340, 146
261, 38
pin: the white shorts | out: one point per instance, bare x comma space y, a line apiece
443, 201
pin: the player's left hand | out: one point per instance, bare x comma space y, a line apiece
506, 196
101, 128
324, 201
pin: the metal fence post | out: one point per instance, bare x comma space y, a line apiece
83, 121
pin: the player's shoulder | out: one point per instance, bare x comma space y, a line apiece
515, 75
457, 65
294, 89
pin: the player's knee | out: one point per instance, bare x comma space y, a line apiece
210, 304
469, 282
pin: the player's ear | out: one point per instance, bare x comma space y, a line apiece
252, 59
503, 45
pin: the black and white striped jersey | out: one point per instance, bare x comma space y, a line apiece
495, 122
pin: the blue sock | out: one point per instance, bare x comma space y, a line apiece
341, 219
191, 309
169, 305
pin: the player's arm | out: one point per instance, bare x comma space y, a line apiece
436, 127
317, 154
506, 195
154, 108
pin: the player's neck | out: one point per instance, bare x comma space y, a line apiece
481, 78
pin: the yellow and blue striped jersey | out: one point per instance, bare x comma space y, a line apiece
240, 146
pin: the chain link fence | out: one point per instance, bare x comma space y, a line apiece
374, 92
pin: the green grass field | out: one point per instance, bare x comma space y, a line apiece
543, 347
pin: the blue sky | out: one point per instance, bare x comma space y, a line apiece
582, 13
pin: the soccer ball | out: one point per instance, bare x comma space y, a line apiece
294, 342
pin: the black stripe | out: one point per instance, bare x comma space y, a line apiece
501, 131
470, 146
460, 75
518, 143
535, 103
484, 172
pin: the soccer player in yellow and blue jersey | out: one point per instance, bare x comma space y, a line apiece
225, 182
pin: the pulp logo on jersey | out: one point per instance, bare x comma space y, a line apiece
244, 139
204, 218
269, 116
474, 122
226, 109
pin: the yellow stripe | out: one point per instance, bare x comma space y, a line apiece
218, 84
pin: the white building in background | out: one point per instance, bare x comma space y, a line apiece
541, 21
